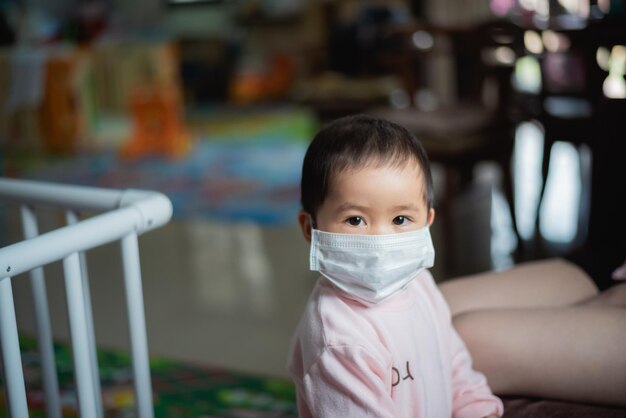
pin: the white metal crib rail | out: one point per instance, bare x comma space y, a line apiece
125, 215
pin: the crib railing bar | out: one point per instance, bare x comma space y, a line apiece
11, 357
42, 322
58, 244
72, 218
153, 211
130, 213
137, 326
83, 371
60, 195
78, 197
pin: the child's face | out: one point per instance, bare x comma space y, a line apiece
373, 200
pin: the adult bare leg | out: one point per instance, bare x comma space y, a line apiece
569, 353
613, 296
545, 283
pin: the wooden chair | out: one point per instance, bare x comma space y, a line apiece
570, 106
473, 128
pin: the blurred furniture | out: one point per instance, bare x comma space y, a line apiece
606, 244
361, 62
371, 43
563, 103
332, 95
575, 103
476, 125
605, 247
206, 69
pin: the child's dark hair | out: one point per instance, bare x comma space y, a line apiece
355, 141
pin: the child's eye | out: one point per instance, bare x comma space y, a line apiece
400, 220
355, 220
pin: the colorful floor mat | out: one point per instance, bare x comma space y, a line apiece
244, 166
179, 390
219, 181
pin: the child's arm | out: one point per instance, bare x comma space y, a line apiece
345, 382
471, 396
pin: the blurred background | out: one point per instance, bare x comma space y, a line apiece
519, 103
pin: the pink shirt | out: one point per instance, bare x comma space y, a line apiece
398, 358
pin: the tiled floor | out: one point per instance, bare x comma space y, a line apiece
214, 294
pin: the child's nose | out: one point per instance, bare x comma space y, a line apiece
380, 229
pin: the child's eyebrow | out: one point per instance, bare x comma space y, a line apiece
409, 207
348, 206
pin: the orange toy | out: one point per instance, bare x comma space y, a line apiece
157, 126
156, 108
250, 86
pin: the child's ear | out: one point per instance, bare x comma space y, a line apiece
431, 216
304, 219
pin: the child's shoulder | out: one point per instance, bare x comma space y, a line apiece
429, 287
332, 323
332, 318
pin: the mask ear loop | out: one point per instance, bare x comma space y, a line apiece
312, 222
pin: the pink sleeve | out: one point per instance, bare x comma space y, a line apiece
345, 382
471, 396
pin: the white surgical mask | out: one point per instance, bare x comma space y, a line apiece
371, 267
